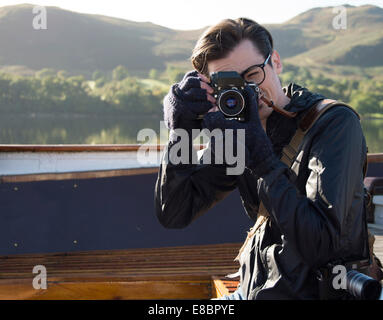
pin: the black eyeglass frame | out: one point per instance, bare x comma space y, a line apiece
262, 66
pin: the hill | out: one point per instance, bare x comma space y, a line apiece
82, 43
360, 44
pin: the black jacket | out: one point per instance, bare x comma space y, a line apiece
317, 210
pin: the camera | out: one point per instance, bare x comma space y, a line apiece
229, 92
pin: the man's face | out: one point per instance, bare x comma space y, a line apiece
244, 55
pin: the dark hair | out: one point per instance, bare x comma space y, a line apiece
219, 40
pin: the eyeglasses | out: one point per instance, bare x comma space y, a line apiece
256, 73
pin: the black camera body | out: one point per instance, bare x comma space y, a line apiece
229, 92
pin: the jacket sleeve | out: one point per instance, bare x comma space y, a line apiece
316, 223
183, 192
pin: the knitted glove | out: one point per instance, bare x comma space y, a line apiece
259, 155
185, 102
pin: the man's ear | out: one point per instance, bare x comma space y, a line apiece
276, 61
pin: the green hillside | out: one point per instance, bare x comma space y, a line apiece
361, 44
83, 43
96, 79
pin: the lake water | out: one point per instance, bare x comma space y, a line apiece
45, 129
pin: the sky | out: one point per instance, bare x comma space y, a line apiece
194, 14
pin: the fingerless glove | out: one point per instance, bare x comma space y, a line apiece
185, 102
259, 155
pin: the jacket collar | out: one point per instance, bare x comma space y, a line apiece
301, 98
280, 128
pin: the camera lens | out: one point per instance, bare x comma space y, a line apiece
231, 102
362, 286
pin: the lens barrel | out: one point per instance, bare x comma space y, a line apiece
363, 286
231, 102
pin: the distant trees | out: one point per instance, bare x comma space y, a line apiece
365, 95
120, 73
46, 72
118, 93
153, 74
53, 93
97, 75
174, 74
368, 98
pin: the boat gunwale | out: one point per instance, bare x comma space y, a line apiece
85, 147
372, 157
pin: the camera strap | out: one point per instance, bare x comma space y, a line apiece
290, 153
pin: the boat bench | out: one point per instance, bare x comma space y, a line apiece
187, 272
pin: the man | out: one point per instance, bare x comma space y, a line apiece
317, 215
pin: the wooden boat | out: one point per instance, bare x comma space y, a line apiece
86, 214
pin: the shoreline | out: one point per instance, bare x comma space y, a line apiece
79, 115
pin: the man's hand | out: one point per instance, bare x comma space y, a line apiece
188, 100
258, 147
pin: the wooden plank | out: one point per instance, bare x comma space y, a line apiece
156, 273
82, 147
375, 157
192, 272
219, 289
75, 147
225, 286
109, 290
77, 175
371, 157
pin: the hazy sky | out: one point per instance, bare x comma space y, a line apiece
194, 14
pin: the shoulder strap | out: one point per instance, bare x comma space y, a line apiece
290, 152
317, 110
